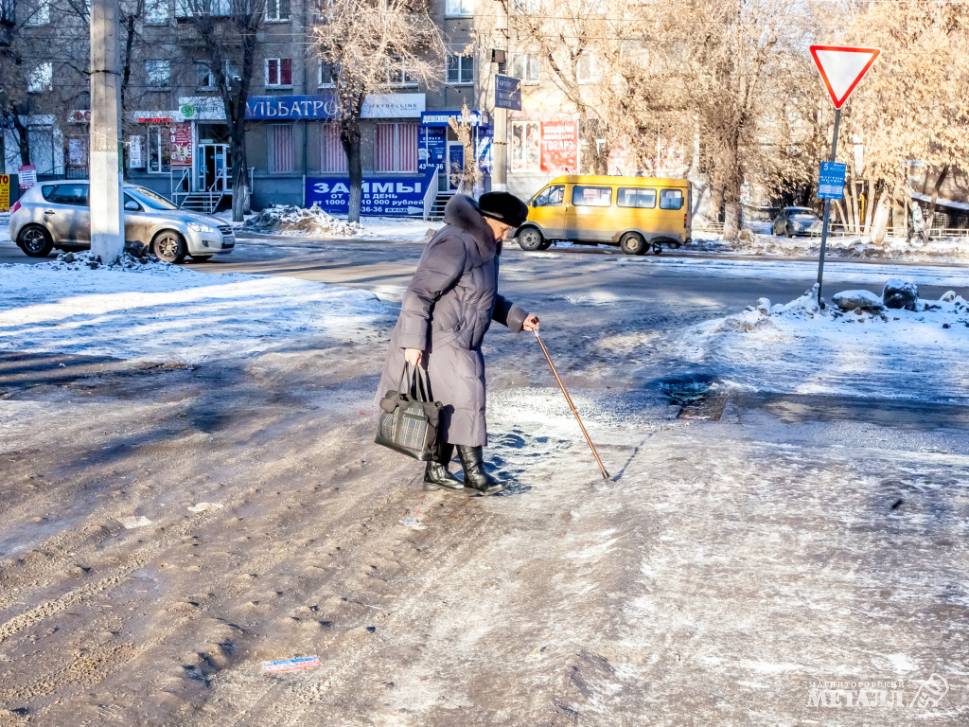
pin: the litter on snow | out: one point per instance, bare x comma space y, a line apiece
296, 663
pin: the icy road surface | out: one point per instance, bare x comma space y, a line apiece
763, 556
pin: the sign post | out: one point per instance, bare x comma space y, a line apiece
841, 70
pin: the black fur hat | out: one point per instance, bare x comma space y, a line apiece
504, 207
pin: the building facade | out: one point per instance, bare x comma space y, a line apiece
176, 135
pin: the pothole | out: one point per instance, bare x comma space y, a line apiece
697, 394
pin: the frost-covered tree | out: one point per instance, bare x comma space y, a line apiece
370, 45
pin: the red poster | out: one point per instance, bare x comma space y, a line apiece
181, 140
560, 145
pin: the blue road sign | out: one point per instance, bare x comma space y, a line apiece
508, 93
831, 182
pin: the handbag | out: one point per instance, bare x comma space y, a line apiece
408, 418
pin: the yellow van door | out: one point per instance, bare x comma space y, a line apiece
547, 210
589, 217
673, 213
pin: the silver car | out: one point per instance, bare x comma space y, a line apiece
795, 221
57, 215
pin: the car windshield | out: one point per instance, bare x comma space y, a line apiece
799, 211
149, 199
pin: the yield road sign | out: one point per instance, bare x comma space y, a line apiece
841, 68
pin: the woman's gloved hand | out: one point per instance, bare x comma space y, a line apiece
531, 323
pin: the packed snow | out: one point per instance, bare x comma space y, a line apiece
944, 249
868, 351
164, 313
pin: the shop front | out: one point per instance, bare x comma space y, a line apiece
539, 149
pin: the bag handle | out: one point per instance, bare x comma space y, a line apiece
418, 385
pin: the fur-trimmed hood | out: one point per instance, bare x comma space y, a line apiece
463, 212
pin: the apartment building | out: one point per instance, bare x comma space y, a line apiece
176, 135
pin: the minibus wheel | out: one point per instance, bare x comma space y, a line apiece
530, 239
632, 243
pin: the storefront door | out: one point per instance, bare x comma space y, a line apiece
213, 169
454, 165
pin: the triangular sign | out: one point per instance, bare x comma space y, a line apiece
842, 68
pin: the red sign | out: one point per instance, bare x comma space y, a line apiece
560, 146
181, 145
842, 68
79, 116
27, 176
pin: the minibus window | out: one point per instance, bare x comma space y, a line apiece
637, 197
551, 197
671, 199
591, 196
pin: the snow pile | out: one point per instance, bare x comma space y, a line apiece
87, 260
293, 221
165, 313
869, 351
937, 250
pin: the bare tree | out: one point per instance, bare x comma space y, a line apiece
368, 44
469, 177
226, 33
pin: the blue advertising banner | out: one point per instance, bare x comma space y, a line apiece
508, 93
831, 183
432, 145
293, 108
383, 196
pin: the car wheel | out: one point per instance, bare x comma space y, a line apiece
169, 246
546, 245
35, 241
531, 239
632, 243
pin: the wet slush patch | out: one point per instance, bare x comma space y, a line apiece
698, 394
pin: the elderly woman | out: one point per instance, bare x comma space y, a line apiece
444, 316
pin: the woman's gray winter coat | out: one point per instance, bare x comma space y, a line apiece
446, 312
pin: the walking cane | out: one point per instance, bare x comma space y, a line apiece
565, 393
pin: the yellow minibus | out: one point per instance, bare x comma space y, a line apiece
635, 213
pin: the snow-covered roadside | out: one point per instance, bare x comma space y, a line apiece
949, 249
797, 348
314, 223
164, 313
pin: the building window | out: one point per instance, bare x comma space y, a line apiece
157, 12
322, 11
459, 8
587, 69
282, 148
332, 156
40, 78
43, 150
158, 73
201, 8
527, 67
277, 11
39, 15
159, 149
525, 145
279, 72
328, 73
460, 69
7, 15
526, 7
398, 76
396, 148
204, 78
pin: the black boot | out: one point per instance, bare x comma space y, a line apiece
476, 479
436, 474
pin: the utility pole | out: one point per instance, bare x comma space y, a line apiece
107, 223
499, 171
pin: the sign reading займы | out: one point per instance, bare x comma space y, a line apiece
384, 196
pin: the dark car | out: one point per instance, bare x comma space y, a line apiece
794, 221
